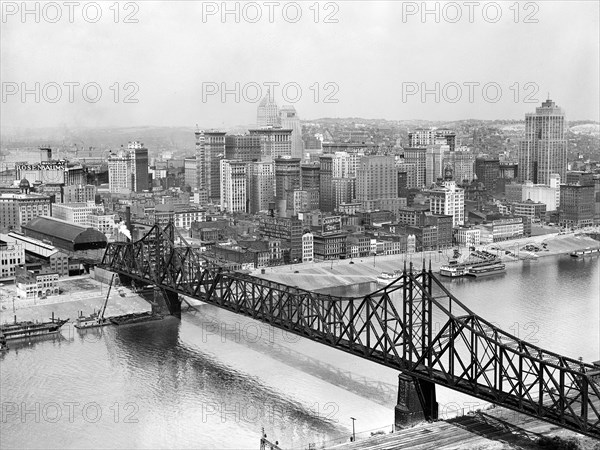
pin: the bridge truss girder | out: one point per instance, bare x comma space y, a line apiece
396, 326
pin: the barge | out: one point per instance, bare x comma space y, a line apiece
587, 252
484, 271
135, 318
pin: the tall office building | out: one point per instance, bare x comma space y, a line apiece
424, 137
310, 175
376, 179
194, 169
418, 157
139, 165
190, 172
326, 200
448, 200
462, 162
80, 193
488, 172
260, 185
233, 185
543, 151
287, 180
421, 137
446, 136
288, 119
268, 113
245, 147
120, 179
434, 163
344, 191
18, 209
577, 204
287, 176
213, 150
407, 172
274, 142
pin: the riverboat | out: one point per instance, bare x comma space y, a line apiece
485, 270
479, 262
26, 329
454, 269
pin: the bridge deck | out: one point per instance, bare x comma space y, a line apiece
394, 326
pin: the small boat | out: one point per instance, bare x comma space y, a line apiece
386, 277
27, 328
484, 271
135, 318
91, 321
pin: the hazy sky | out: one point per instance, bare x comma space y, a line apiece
374, 61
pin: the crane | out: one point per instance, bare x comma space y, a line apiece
95, 319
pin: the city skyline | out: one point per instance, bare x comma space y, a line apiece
369, 71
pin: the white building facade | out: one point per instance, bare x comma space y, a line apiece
449, 200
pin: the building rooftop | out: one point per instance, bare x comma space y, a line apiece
63, 233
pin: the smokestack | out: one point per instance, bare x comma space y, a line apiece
128, 220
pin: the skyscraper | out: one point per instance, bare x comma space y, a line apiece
434, 162
260, 185
288, 118
233, 185
543, 151
274, 142
268, 113
139, 165
213, 152
376, 180
487, 171
245, 147
120, 179
326, 200
418, 157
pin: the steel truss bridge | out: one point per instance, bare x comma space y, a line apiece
414, 325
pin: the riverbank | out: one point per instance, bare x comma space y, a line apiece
77, 294
326, 274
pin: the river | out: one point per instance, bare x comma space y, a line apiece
215, 379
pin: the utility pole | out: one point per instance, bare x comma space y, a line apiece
353, 434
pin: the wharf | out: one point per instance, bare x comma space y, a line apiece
343, 272
496, 428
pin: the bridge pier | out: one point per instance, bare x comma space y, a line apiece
416, 401
166, 302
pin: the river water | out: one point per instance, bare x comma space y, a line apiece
215, 379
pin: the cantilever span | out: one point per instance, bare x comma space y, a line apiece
414, 324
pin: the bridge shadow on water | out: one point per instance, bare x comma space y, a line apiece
180, 373
382, 393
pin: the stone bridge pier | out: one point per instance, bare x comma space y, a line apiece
416, 401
